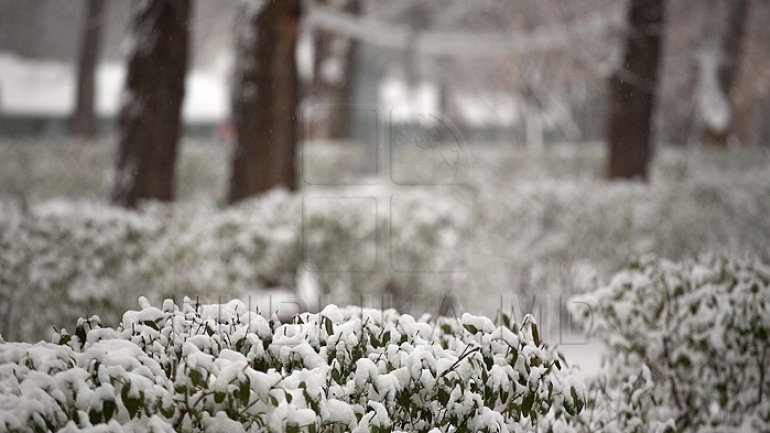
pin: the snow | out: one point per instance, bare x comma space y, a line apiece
338, 411
149, 315
489, 420
403, 103
221, 423
678, 328
585, 357
332, 312
366, 372
663, 215
50, 382
43, 87
479, 323
713, 106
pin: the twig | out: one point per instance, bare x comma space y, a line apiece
464, 355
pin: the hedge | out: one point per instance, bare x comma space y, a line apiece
687, 347
223, 368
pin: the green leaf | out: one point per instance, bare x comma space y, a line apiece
336, 375
329, 326
472, 329
310, 402
504, 395
239, 344
443, 396
80, 332
219, 397
108, 409
196, 377
576, 400
683, 360
94, 416
506, 320
65, 339
569, 407
375, 340
167, 412
244, 392
489, 361
526, 405
131, 404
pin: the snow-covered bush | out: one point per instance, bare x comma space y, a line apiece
548, 235
688, 347
68, 259
527, 225
73, 169
224, 368
63, 259
548, 221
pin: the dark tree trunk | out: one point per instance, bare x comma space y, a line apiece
332, 91
83, 119
728, 56
632, 90
265, 99
150, 117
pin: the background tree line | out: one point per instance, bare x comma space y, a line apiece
267, 90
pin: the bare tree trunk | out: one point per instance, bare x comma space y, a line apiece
83, 119
727, 58
265, 100
632, 90
332, 85
150, 117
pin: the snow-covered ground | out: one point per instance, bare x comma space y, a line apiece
35, 87
44, 87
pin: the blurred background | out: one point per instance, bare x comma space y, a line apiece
434, 156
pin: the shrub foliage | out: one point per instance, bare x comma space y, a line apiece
223, 368
688, 347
